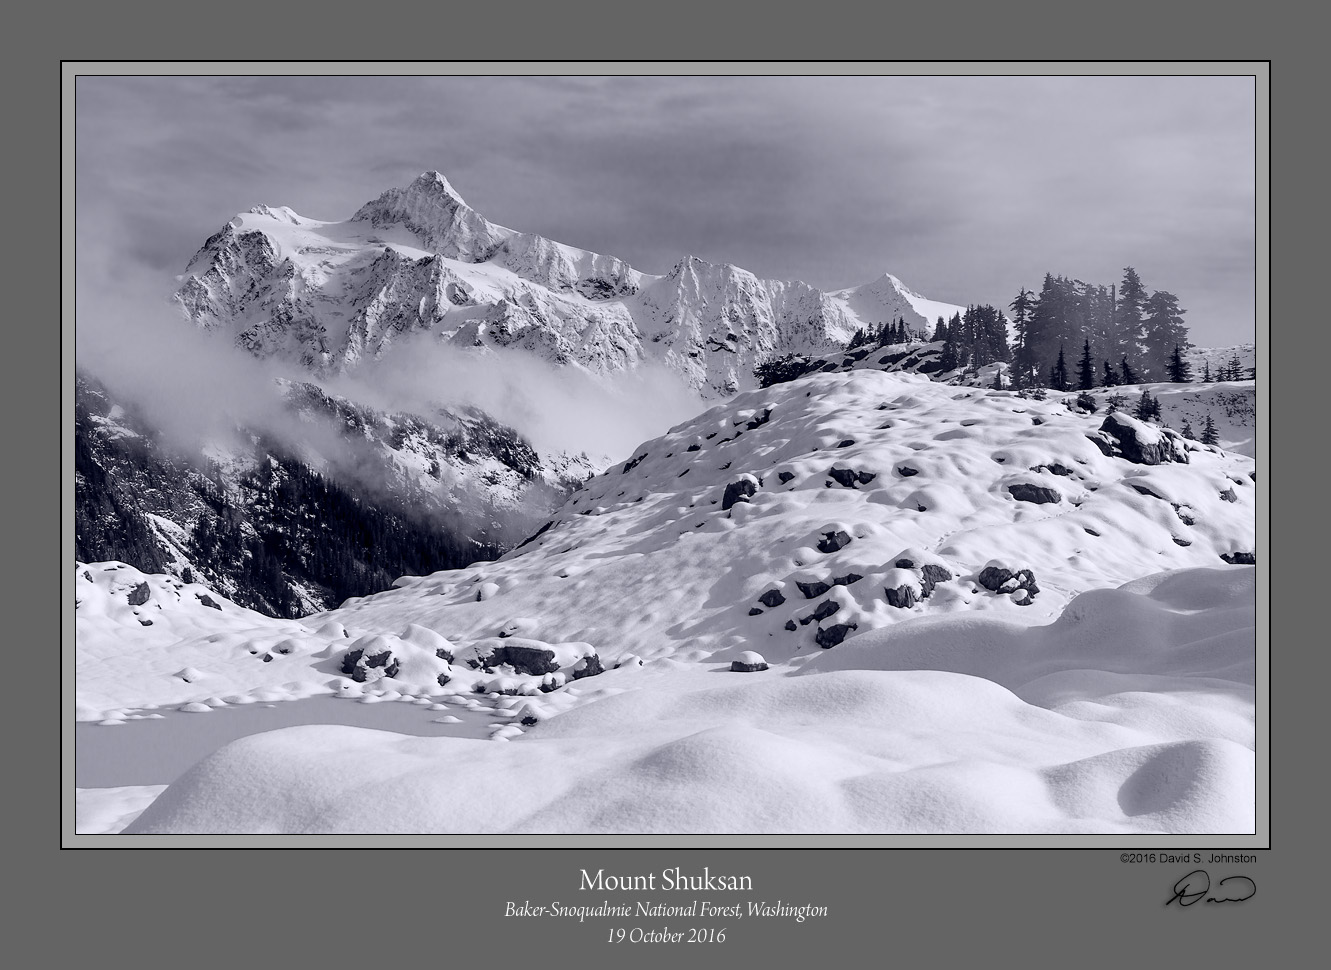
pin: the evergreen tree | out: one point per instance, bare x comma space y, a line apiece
940, 331
1162, 328
1209, 435
1126, 373
1058, 374
1146, 407
1021, 308
1128, 316
1180, 371
1187, 431
857, 340
1109, 378
1206, 372
1235, 368
1086, 370
997, 385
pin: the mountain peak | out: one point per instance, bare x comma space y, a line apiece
434, 184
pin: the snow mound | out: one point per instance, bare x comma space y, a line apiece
962, 724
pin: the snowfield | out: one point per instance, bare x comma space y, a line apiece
979, 613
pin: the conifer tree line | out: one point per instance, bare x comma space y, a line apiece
886, 334
973, 339
1135, 336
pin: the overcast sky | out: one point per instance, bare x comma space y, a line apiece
965, 188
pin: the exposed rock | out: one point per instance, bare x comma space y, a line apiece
812, 590
739, 490
1025, 492
1125, 437
847, 579
633, 463
1240, 558
833, 541
1185, 514
772, 598
1054, 468
444, 654
207, 600
1180, 542
524, 658
754, 611
760, 420
822, 612
999, 579
848, 476
903, 597
139, 594
443, 679
1229, 496
790, 625
830, 636
1145, 490
748, 662
845, 443
905, 471
786, 477
588, 666
693, 447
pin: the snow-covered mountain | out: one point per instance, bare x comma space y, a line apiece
418, 261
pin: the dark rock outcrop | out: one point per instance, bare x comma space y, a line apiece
784, 477
139, 594
828, 637
523, 659
588, 666
208, 601
903, 597
1240, 558
822, 612
1121, 436
849, 477
739, 490
761, 419
1000, 580
772, 598
812, 590
1025, 492
832, 541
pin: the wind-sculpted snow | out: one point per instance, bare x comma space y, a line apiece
965, 658
1073, 727
419, 262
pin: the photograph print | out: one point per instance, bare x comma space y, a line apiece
676, 455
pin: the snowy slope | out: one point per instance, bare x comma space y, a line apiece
867, 492
418, 260
980, 613
970, 725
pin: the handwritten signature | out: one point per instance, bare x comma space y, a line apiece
1196, 885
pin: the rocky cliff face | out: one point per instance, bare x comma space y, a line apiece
285, 529
418, 261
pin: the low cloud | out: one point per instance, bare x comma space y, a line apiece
197, 387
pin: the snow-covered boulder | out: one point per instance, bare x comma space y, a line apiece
748, 662
1123, 436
